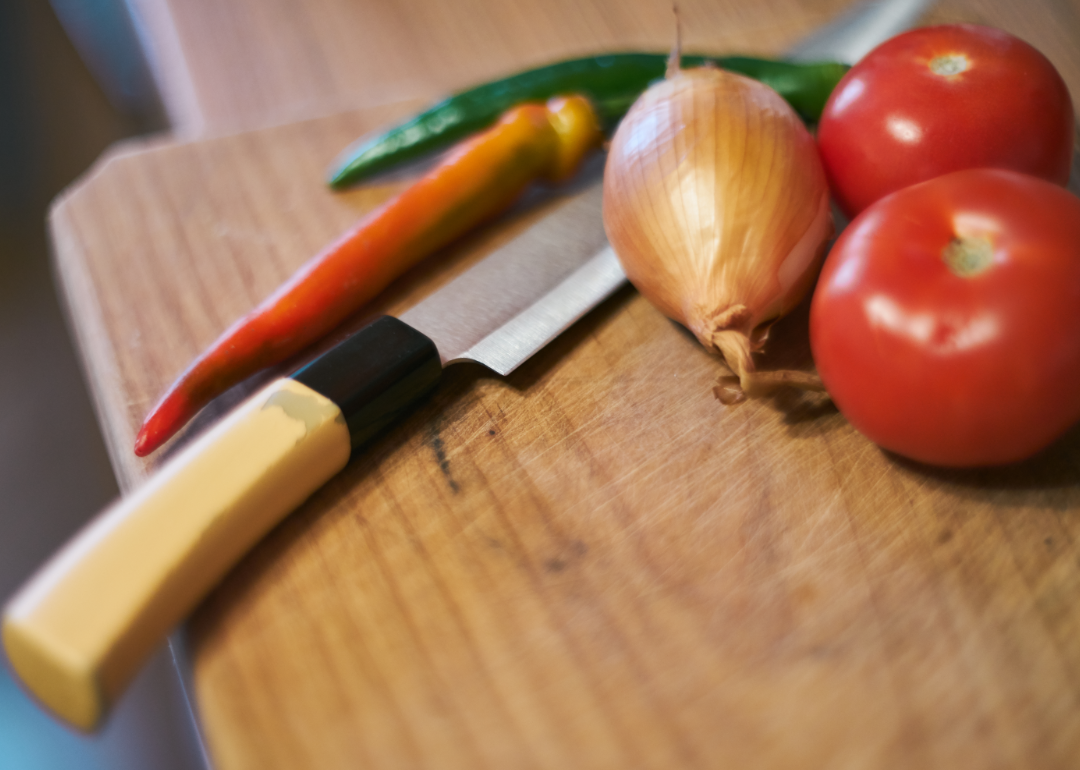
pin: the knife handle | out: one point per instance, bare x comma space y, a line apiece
80, 629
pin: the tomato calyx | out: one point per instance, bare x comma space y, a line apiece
950, 64
967, 256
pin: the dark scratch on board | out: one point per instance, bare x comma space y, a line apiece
437, 446
572, 553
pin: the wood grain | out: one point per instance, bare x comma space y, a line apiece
227, 66
591, 563
236, 65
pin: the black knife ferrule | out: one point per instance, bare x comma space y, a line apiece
375, 375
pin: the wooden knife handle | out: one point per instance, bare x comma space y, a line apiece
80, 629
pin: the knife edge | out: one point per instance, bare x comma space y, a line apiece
518, 339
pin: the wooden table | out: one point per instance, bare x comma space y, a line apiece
592, 563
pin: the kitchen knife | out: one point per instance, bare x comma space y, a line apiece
83, 625
81, 628
855, 33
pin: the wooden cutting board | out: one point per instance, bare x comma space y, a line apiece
591, 563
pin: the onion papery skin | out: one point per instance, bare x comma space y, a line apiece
717, 205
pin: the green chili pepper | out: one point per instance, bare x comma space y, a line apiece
612, 82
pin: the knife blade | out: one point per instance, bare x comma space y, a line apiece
77, 632
526, 293
851, 36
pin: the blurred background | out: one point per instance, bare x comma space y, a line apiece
72, 82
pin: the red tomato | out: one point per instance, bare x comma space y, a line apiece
946, 322
941, 99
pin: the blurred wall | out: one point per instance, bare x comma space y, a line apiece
55, 119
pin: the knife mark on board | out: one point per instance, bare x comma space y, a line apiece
439, 448
569, 556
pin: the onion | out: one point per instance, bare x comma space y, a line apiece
716, 203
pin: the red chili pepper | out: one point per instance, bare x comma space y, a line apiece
480, 179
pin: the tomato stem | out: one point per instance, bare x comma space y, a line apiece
967, 256
949, 64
